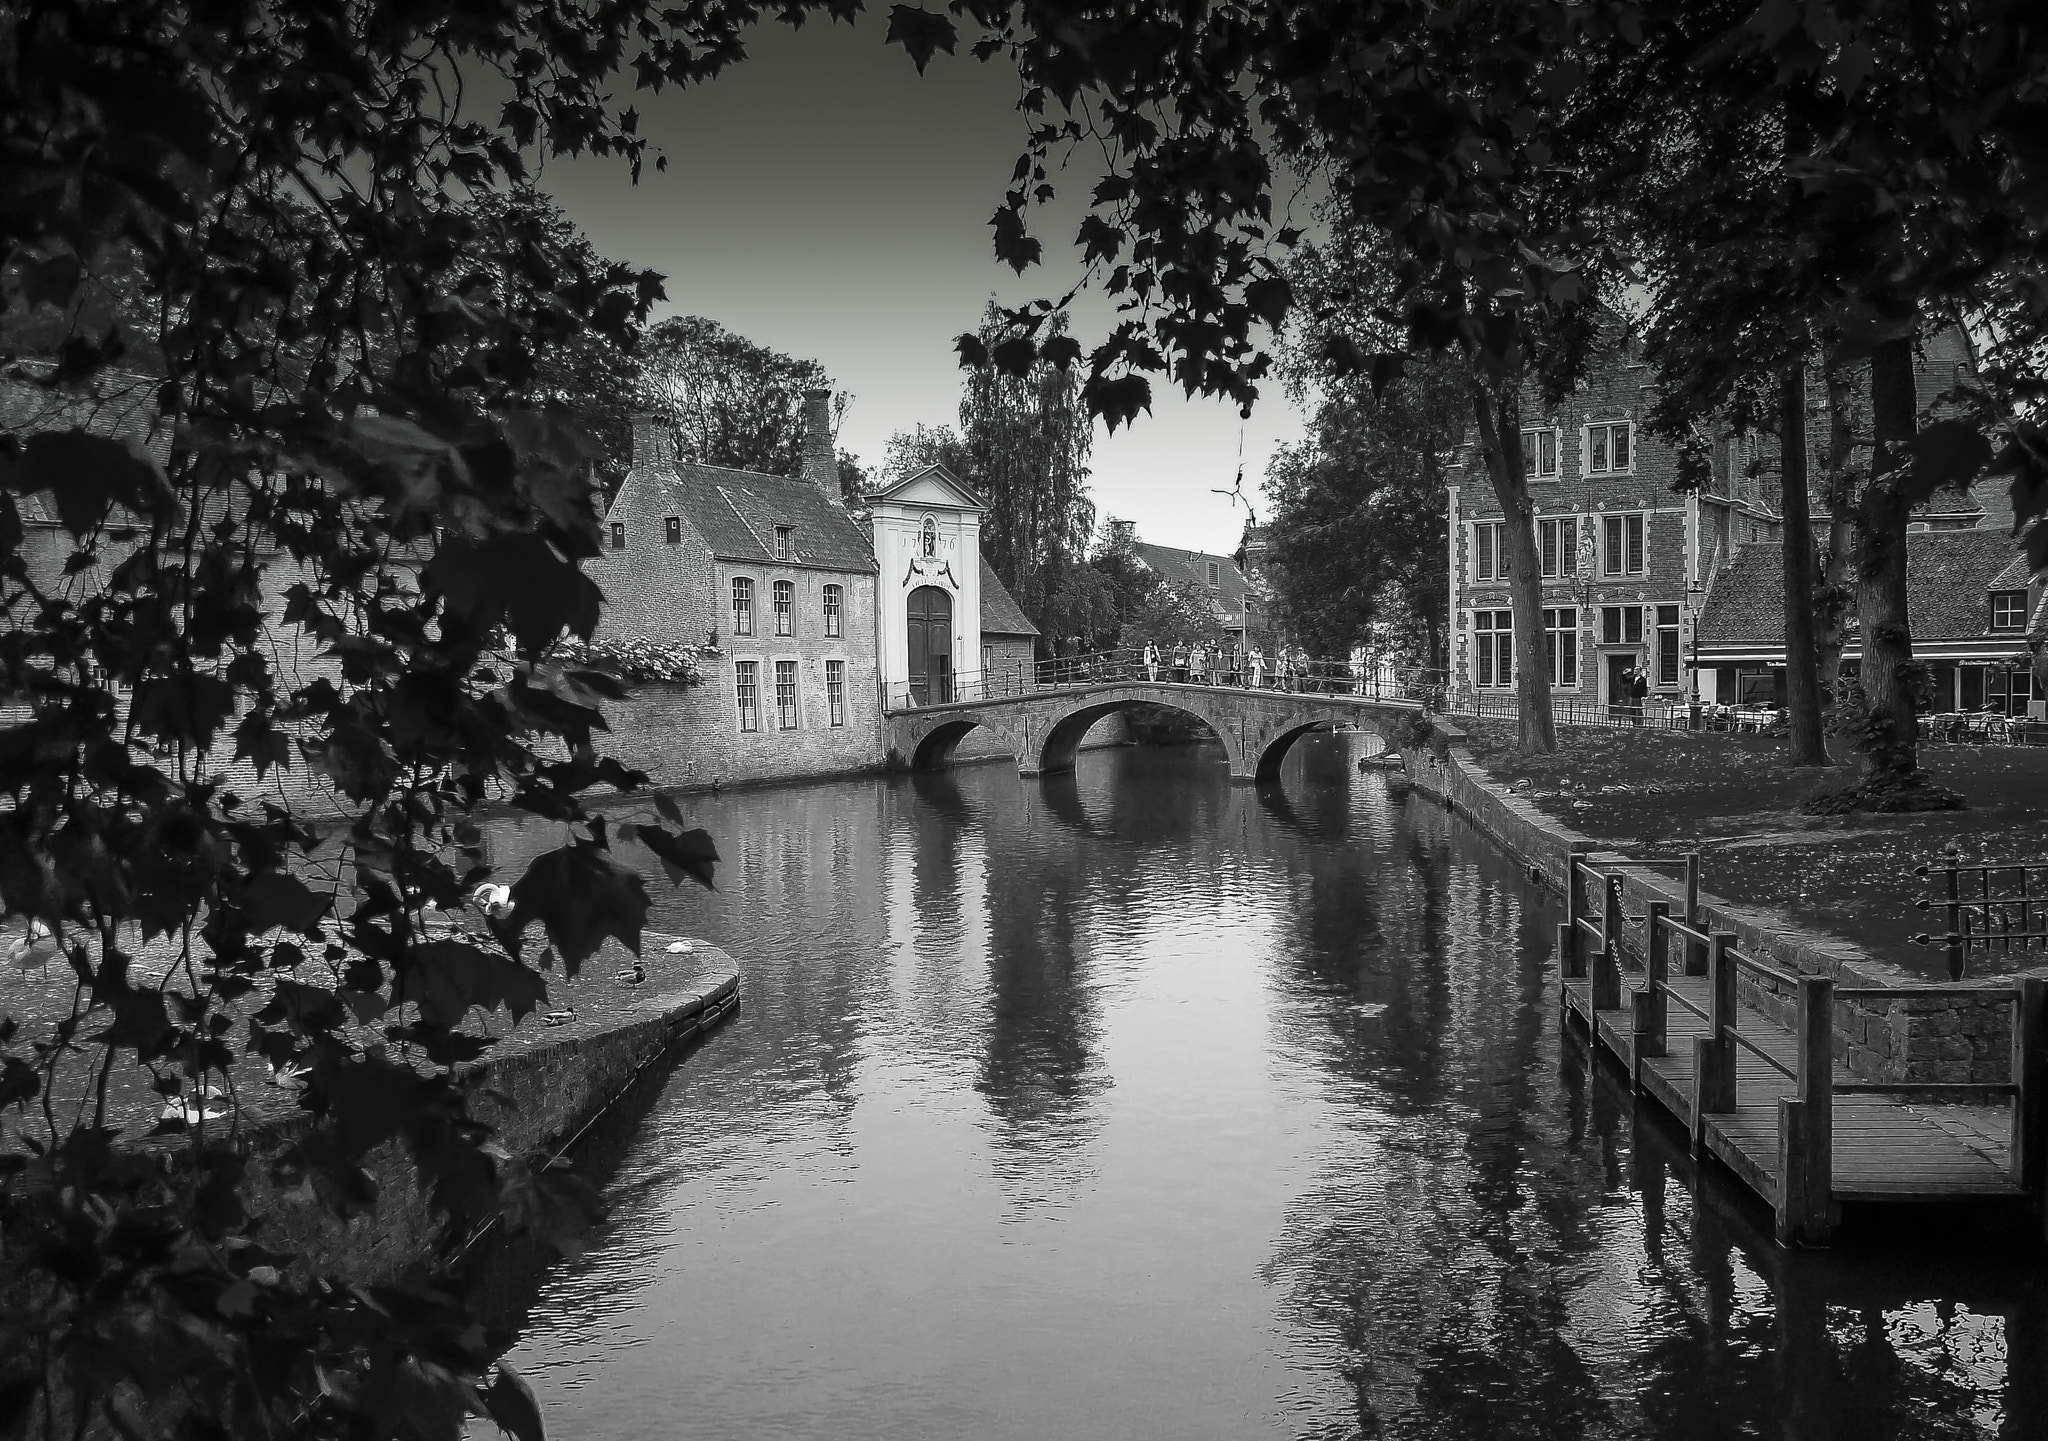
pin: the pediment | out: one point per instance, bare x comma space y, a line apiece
933, 486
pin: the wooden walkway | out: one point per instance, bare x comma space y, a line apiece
1886, 1150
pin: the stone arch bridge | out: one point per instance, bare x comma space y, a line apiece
1043, 729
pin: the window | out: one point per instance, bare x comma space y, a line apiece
835, 690
1558, 542
1667, 645
1624, 545
928, 539
1608, 448
1489, 551
618, 535
785, 542
1561, 646
1493, 648
785, 695
746, 686
1539, 454
834, 604
675, 530
2008, 609
1621, 625
785, 607
742, 606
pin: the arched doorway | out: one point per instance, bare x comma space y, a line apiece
930, 613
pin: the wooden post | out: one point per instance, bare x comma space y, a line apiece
1714, 1053
1570, 957
1695, 953
1607, 961
2030, 1106
1806, 1123
1652, 1039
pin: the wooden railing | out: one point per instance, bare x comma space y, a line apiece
1806, 1118
2014, 920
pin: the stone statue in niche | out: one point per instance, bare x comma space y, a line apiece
927, 562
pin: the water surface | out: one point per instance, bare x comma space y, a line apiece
1134, 1104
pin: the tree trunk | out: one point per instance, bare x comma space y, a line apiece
1892, 779
1802, 677
1500, 432
1835, 591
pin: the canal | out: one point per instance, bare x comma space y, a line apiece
1133, 1104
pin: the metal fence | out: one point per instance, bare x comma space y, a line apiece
1227, 670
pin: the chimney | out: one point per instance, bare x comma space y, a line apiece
820, 465
654, 442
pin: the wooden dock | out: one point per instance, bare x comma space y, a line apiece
1771, 1103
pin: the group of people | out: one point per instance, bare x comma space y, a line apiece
1200, 664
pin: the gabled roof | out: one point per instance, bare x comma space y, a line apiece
1183, 567
1000, 613
737, 511
1948, 573
2016, 575
934, 485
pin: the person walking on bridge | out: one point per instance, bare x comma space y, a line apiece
1180, 661
1198, 665
1256, 663
1151, 660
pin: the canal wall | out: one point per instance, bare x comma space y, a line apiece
1963, 1038
539, 1088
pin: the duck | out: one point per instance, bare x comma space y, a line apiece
36, 946
679, 948
494, 900
559, 1018
634, 974
207, 1103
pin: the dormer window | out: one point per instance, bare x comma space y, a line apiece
618, 535
1214, 570
675, 530
785, 542
2008, 609
928, 545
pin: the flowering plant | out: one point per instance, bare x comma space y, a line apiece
635, 659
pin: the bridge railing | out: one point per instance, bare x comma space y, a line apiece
1227, 670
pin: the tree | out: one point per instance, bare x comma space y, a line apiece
731, 402
354, 443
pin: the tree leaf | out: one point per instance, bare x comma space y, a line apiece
511, 1403
920, 33
580, 895
688, 854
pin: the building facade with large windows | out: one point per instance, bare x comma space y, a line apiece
1625, 559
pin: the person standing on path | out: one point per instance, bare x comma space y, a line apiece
1257, 662
1198, 665
1180, 661
1638, 693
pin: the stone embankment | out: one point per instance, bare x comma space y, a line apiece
541, 1086
1963, 1038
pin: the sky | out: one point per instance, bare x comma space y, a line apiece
823, 199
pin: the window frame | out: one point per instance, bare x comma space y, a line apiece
835, 692
618, 535
1627, 618
789, 711
782, 604
1558, 557
1633, 528
746, 687
1533, 437
1561, 643
1215, 575
1493, 549
1490, 641
2014, 598
742, 605
1605, 448
673, 528
832, 604
1670, 660
785, 542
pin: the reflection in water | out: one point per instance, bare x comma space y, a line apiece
1131, 1103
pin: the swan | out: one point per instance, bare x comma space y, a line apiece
493, 900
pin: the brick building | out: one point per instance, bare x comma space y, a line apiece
1687, 585
1626, 559
1233, 607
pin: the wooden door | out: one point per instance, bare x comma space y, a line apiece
930, 612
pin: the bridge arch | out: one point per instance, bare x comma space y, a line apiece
1043, 729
